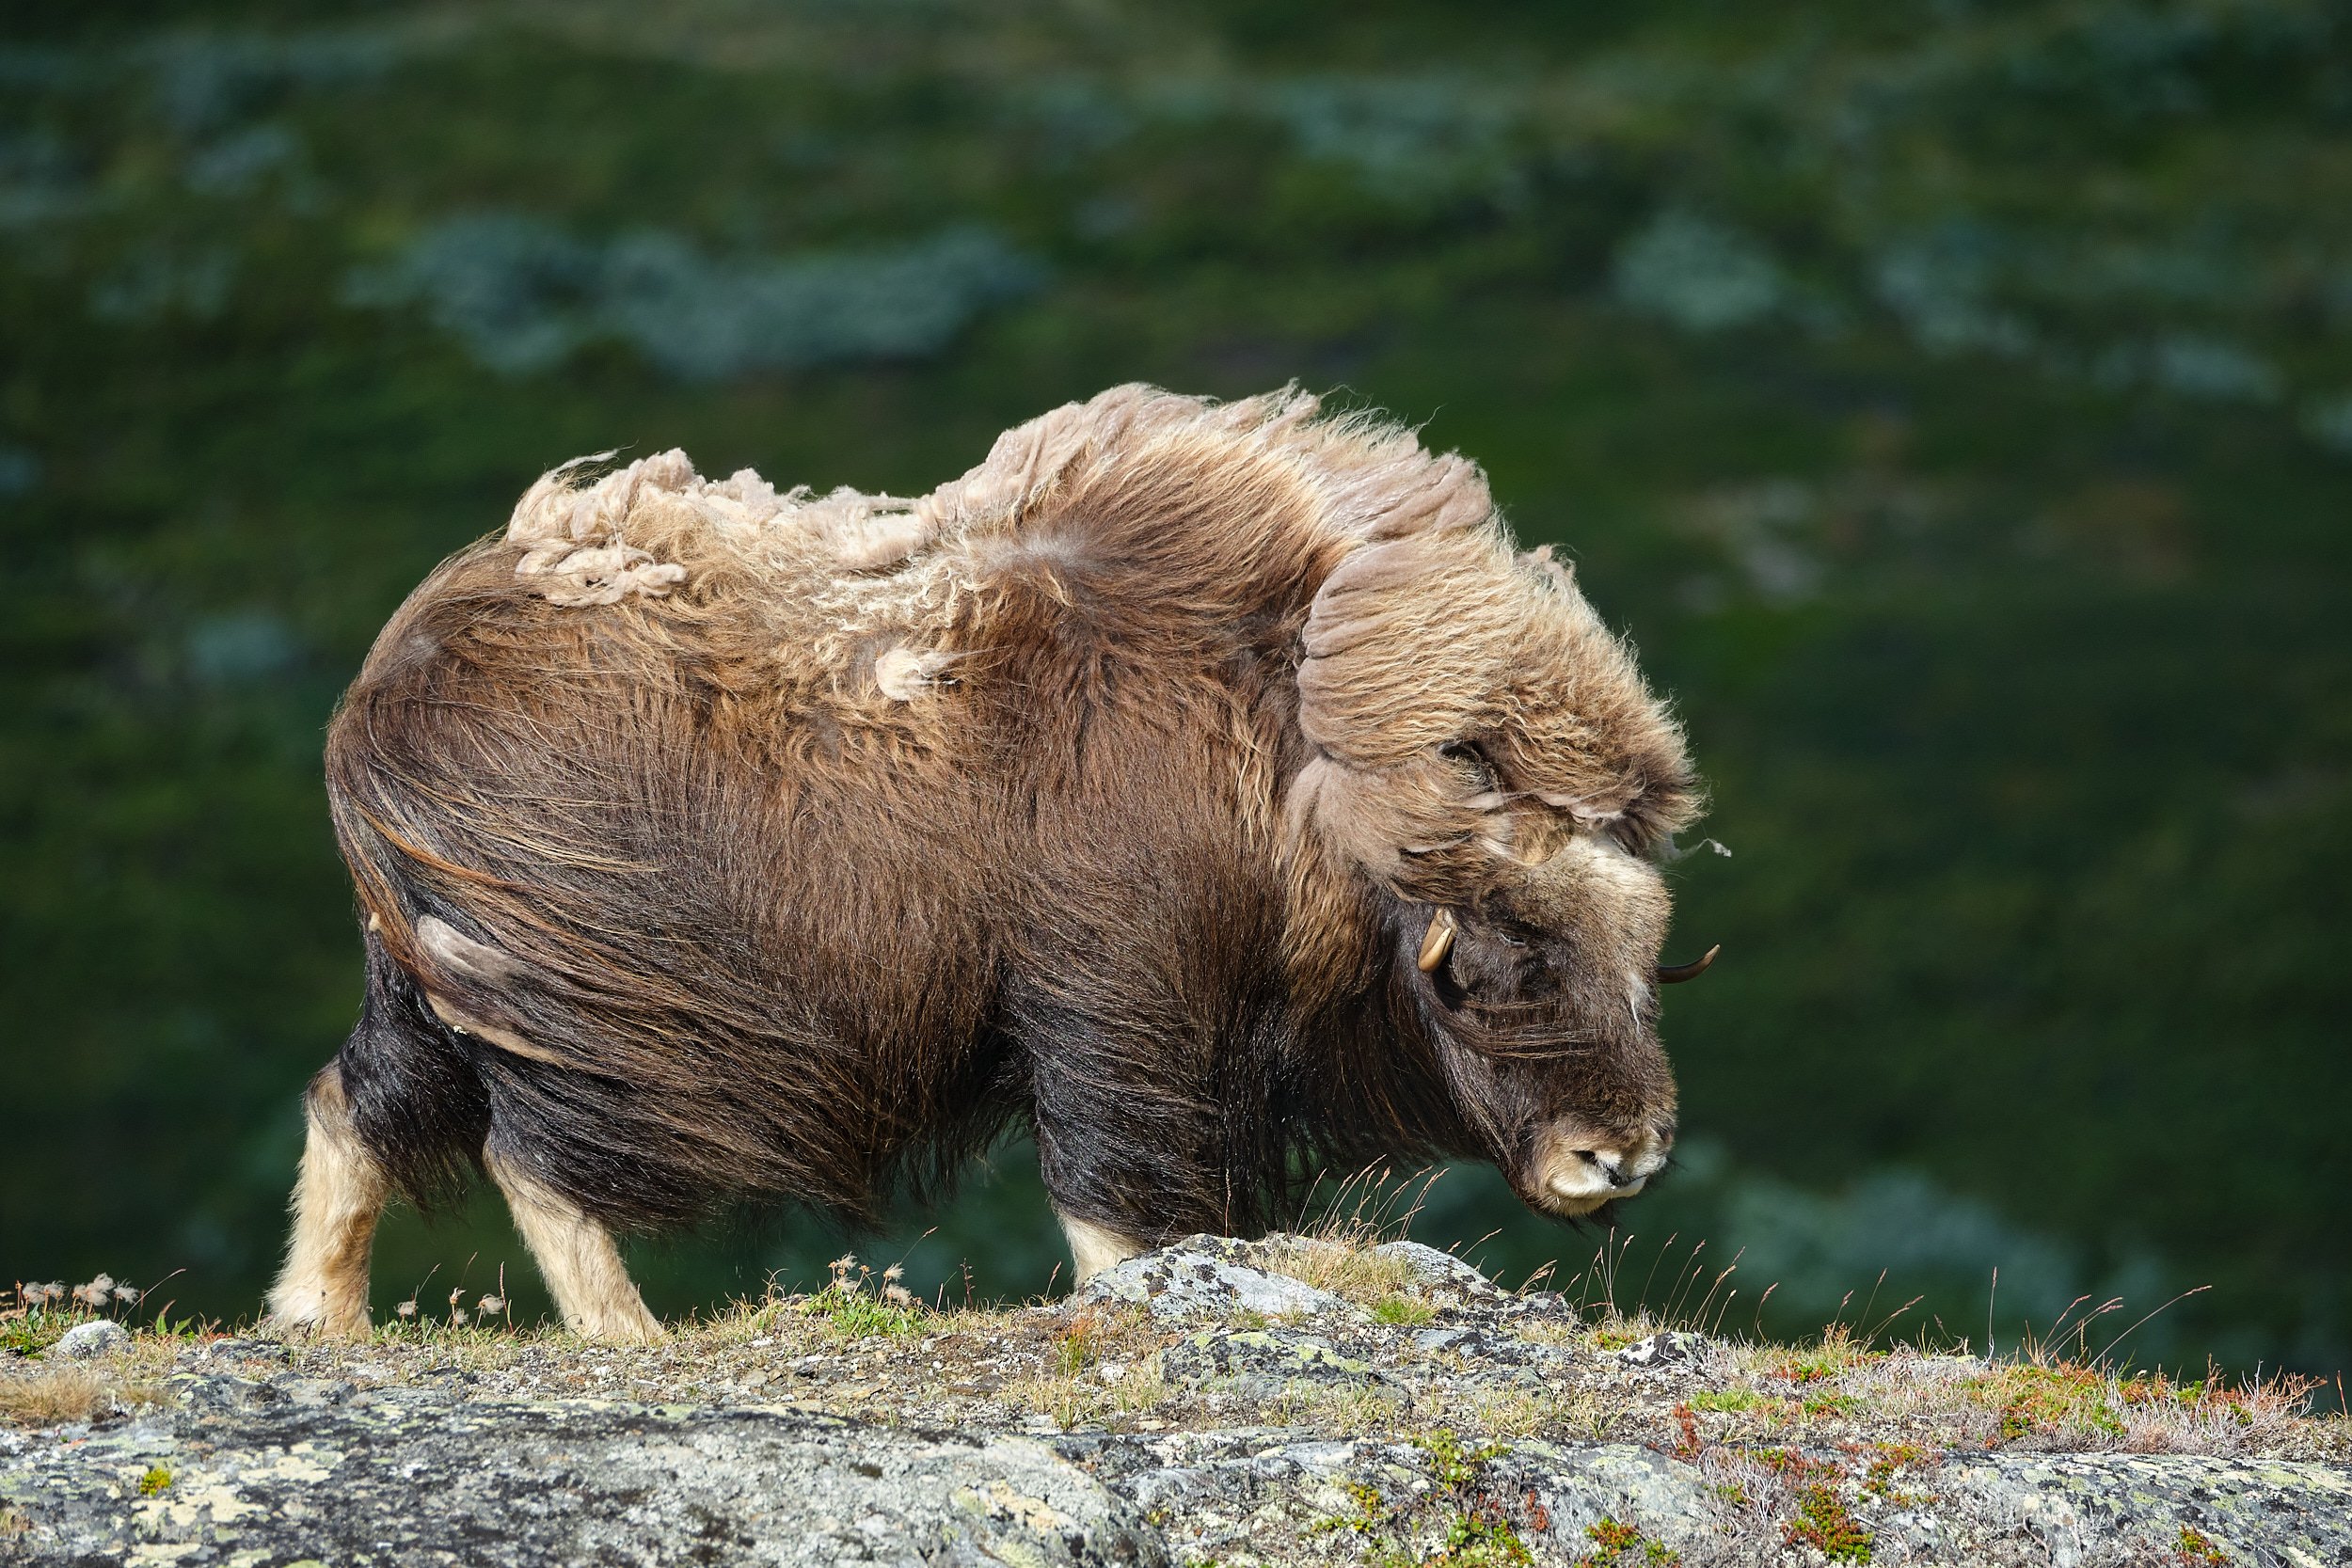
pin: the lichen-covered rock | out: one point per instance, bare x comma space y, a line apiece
1662, 1350
1441, 1277
1234, 1413
249, 1473
1224, 1495
88, 1341
233, 1349
1262, 1362
2081, 1510
1209, 1277
1488, 1358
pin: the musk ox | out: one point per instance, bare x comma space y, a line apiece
1211, 790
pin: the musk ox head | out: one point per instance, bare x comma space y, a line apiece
1488, 759
1538, 992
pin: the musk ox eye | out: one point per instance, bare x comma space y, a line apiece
1635, 832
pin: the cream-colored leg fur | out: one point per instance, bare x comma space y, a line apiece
1093, 1248
578, 1260
336, 1198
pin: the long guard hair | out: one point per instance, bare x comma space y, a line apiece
718, 845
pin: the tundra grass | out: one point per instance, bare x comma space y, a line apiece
1099, 1366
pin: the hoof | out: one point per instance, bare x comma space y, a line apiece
312, 1320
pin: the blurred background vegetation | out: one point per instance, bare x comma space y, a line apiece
1951, 399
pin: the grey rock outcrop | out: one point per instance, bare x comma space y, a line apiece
1440, 1278
1239, 1494
88, 1341
256, 1472
1209, 1277
1195, 1404
1262, 1362
1662, 1350
2073, 1510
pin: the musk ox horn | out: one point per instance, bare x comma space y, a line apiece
1439, 941
1674, 975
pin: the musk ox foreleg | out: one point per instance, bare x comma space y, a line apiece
1133, 1143
577, 1258
336, 1198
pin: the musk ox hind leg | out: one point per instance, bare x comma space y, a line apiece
576, 1256
1095, 1247
336, 1198
400, 1110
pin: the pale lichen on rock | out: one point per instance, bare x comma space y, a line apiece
257, 1477
1206, 1403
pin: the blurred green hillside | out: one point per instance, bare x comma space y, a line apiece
1953, 401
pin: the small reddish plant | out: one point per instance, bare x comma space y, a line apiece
1687, 1421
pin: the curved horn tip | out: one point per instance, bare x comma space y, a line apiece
1439, 941
1674, 975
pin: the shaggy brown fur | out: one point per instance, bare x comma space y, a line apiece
720, 845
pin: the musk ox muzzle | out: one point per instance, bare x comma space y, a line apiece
1212, 790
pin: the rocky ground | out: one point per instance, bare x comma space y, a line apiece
1280, 1401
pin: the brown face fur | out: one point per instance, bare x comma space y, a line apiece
1545, 1007
718, 847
